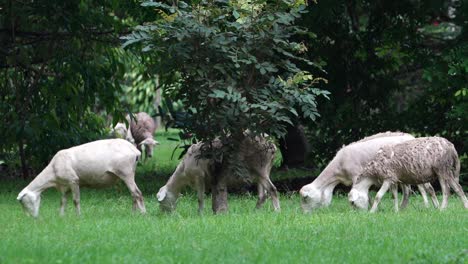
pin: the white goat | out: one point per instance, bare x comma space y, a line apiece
417, 161
96, 164
257, 154
345, 167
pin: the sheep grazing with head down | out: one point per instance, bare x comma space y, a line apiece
256, 153
418, 161
96, 164
121, 131
345, 168
142, 129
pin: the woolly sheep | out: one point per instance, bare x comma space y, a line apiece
96, 164
256, 153
417, 161
345, 168
142, 130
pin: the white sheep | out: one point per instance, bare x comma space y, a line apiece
345, 167
96, 164
256, 153
417, 161
121, 131
142, 129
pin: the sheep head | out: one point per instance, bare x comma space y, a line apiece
147, 146
311, 198
120, 131
167, 200
359, 199
30, 202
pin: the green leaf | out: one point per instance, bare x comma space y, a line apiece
235, 14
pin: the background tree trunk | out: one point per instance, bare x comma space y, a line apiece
219, 193
157, 104
24, 164
294, 147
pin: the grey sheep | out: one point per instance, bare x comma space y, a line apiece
256, 153
418, 161
142, 129
346, 167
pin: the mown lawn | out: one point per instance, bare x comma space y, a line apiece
108, 232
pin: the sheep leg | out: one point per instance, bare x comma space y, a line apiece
385, 186
459, 190
136, 194
274, 195
128, 177
63, 201
143, 158
423, 193
445, 192
428, 187
394, 190
406, 193
261, 195
75, 189
201, 196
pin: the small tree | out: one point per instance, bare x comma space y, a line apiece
235, 65
236, 68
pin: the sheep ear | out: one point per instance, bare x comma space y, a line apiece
162, 193
21, 195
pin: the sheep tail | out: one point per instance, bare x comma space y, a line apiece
456, 166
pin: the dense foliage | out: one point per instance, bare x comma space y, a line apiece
391, 65
234, 67
60, 69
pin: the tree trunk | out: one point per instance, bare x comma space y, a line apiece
219, 194
24, 165
294, 147
157, 103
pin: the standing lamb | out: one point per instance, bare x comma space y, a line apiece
257, 154
142, 130
417, 161
345, 168
96, 164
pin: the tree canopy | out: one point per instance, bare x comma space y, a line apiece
69, 70
234, 67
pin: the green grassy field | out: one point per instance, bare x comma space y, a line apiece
108, 232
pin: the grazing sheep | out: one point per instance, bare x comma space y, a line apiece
120, 131
257, 154
417, 161
142, 130
345, 168
96, 164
